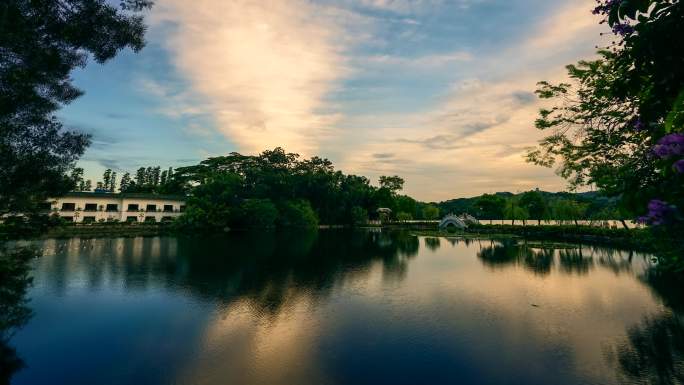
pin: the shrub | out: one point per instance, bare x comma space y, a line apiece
297, 214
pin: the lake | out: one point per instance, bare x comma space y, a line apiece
345, 307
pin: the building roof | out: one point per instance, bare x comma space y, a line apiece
91, 194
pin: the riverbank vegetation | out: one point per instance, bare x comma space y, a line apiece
538, 206
619, 125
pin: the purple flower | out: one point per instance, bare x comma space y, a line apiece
623, 29
659, 212
669, 145
679, 166
638, 124
604, 6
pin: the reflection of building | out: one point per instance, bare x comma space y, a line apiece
128, 207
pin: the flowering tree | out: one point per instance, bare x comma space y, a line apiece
620, 124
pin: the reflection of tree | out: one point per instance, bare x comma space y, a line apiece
509, 252
499, 253
14, 312
266, 269
667, 286
653, 352
537, 260
432, 243
573, 261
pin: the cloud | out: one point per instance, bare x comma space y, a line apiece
424, 61
263, 69
383, 155
474, 139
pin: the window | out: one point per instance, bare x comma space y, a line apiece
68, 219
132, 219
88, 219
182, 208
90, 207
133, 207
167, 219
168, 208
68, 206
151, 208
112, 207
150, 219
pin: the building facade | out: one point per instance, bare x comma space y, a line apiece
84, 207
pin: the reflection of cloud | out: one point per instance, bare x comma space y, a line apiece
263, 68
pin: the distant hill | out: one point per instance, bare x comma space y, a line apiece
595, 199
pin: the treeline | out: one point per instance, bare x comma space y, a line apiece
144, 180
274, 188
277, 188
537, 205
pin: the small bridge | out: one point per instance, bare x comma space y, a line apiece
460, 222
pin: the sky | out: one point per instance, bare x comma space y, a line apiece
439, 92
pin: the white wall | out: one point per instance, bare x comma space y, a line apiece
122, 212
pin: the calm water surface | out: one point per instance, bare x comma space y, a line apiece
345, 308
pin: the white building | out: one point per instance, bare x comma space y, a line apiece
123, 207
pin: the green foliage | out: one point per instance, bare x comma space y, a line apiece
359, 215
305, 191
28, 226
430, 212
403, 216
297, 214
513, 211
490, 206
258, 213
534, 203
213, 204
14, 283
41, 43
392, 183
605, 127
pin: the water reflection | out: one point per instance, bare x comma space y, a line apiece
348, 307
653, 352
14, 310
263, 268
540, 258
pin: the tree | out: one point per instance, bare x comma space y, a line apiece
297, 214
106, 179
112, 182
490, 206
430, 212
568, 210
534, 203
41, 43
125, 182
87, 186
513, 211
154, 177
620, 125
77, 178
392, 183
359, 215
141, 177
258, 213
403, 216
